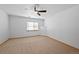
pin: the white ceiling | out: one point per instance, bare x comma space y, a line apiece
27, 9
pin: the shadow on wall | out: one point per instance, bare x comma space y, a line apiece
3, 26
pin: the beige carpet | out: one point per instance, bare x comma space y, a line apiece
35, 45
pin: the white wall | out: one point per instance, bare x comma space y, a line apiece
3, 26
18, 26
64, 26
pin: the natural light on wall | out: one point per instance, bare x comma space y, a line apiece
32, 26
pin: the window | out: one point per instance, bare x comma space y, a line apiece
32, 26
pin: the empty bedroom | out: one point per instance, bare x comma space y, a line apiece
39, 28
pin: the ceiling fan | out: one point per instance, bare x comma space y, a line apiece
39, 11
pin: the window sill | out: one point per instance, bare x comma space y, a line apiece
32, 30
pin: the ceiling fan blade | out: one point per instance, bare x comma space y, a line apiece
42, 11
35, 8
39, 14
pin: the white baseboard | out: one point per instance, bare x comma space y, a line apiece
22, 36
3, 40
65, 42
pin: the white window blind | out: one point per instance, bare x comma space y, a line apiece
32, 26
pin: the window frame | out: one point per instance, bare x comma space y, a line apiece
32, 26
